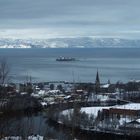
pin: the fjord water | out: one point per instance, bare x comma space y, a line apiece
115, 64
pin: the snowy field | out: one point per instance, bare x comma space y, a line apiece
94, 110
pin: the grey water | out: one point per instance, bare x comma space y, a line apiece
113, 64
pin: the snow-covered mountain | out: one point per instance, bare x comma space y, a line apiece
79, 42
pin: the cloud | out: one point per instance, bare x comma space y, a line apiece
69, 17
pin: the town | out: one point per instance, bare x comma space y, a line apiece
108, 107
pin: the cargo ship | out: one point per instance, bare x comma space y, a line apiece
62, 58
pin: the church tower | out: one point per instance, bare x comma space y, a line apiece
97, 83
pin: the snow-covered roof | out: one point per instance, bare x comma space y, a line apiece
23, 93
67, 97
35, 95
43, 103
102, 97
133, 80
138, 120
125, 120
105, 86
53, 91
131, 106
41, 92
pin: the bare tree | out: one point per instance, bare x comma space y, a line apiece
4, 71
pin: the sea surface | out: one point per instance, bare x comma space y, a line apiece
113, 64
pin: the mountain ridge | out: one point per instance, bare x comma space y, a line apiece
75, 42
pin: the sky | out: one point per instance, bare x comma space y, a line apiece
69, 18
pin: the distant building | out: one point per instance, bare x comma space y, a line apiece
131, 109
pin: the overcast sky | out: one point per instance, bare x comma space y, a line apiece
68, 18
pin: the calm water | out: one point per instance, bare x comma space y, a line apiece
113, 64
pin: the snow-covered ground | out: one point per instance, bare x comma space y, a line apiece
37, 137
111, 124
94, 110
87, 110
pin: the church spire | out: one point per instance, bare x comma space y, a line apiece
97, 83
97, 78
